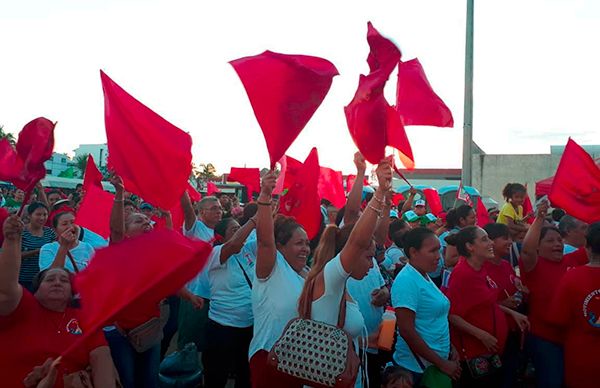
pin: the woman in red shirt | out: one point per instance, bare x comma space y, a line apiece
36, 328
478, 322
542, 267
576, 309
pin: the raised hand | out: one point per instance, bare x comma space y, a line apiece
13, 227
267, 184
359, 162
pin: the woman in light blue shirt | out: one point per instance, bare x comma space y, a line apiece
422, 310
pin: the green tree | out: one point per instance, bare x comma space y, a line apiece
80, 163
7, 135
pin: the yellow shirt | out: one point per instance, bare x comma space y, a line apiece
508, 211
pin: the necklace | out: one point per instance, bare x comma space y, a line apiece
58, 326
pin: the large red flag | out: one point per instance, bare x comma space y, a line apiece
153, 156
249, 177
433, 200
24, 166
576, 185
135, 275
302, 199
92, 176
483, 217
416, 102
372, 122
284, 91
94, 210
350, 179
290, 168
528, 208
331, 187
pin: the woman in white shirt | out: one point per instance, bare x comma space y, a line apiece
68, 252
283, 248
230, 269
422, 310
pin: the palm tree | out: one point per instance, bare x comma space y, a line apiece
80, 163
7, 135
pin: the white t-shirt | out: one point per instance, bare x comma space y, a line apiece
82, 253
274, 304
230, 293
94, 239
360, 291
413, 291
199, 285
327, 307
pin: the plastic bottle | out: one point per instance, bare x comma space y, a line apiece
387, 329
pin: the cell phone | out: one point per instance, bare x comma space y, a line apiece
540, 201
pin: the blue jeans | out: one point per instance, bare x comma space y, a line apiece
135, 369
548, 361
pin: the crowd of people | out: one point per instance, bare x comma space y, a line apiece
513, 303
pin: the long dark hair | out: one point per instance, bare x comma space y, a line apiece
460, 239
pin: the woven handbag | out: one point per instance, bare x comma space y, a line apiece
316, 353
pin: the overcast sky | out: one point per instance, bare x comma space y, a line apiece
536, 69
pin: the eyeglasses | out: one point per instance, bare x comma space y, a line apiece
213, 209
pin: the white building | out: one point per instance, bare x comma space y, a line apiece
98, 151
57, 164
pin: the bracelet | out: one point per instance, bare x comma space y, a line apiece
253, 220
264, 203
377, 199
378, 211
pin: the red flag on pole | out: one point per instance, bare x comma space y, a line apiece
483, 217
94, 210
302, 199
416, 102
153, 156
23, 166
249, 177
372, 122
576, 185
331, 187
433, 200
115, 280
92, 176
284, 91
211, 189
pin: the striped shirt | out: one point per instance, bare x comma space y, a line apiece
30, 265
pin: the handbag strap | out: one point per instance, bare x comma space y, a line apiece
72, 260
417, 358
245, 274
342, 309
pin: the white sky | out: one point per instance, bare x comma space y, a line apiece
536, 69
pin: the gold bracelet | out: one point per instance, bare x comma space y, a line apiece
377, 199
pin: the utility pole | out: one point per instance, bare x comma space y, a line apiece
468, 102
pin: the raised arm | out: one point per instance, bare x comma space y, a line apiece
117, 214
383, 225
360, 238
266, 251
10, 264
235, 244
353, 203
188, 211
531, 242
409, 202
42, 194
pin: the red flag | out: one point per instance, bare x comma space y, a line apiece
24, 166
461, 193
153, 157
92, 176
284, 91
483, 217
416, 102
350, 179
115, 281
528, 208
372, 122
290, 168
576, 185
249, 177
396, 198
302, 199
211, 189
433, 200
94, 211
331, 187
195, 196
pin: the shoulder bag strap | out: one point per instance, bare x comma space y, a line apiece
245, 274
342, 313
72, 260
417, 358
